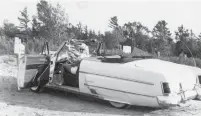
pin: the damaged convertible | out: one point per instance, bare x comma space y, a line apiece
138, 81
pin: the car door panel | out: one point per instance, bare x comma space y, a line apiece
33, 69
33, 65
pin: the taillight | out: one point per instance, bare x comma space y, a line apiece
199, 79
166, 88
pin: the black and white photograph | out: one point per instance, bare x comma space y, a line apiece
100, 58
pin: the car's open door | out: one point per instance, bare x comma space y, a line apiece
33, 70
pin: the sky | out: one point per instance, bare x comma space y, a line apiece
96, 13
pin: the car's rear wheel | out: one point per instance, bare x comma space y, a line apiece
118, 105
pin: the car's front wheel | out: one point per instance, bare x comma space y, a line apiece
35, 89
38, 86
118, 105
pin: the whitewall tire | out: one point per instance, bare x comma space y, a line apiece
118, 105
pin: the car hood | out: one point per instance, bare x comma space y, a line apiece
175, 74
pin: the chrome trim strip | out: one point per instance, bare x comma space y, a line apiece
133, 80
119, 90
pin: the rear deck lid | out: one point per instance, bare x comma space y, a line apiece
175, 74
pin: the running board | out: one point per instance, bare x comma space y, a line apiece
63, 88
71, 89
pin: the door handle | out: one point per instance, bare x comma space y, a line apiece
42, 60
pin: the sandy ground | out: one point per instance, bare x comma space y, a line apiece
52, 102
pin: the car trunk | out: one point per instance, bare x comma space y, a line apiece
178, 76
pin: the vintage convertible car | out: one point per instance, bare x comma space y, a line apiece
122, 82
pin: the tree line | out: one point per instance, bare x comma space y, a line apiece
159, 39
51, 24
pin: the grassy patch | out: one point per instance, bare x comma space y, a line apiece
6, 45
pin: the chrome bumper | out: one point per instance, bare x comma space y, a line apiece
198, 89
174, 100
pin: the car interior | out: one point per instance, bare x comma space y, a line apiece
63, 76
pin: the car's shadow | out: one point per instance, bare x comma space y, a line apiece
103, 106
62, 101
